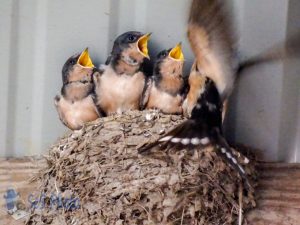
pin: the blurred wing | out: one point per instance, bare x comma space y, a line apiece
212, 40
287, 49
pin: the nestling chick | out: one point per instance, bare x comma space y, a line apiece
75, 105
120, 86
165, 91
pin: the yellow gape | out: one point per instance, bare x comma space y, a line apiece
142, 45
85, 59
176, 53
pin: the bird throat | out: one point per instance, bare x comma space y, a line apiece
130, 61
171, 85
126, 65
76, 91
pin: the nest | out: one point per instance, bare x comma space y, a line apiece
100, 165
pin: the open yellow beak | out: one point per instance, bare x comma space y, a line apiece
85, 59
142, 45
176, 53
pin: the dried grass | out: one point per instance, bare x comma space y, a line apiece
100, 165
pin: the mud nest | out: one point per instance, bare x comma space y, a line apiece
100, 166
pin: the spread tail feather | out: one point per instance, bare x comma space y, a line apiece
181, 136
190, 135
225, 151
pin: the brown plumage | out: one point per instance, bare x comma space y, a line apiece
196, 85
167, 82
75, 105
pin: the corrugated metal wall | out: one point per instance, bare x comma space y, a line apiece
37, 36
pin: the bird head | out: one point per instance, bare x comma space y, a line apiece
170, 61
131, 47
78, 67
176, 53
168, 69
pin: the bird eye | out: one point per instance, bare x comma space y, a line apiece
162, 54
72, 61
131, 38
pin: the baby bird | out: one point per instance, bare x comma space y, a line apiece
121, 85
165, 91
75, 105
